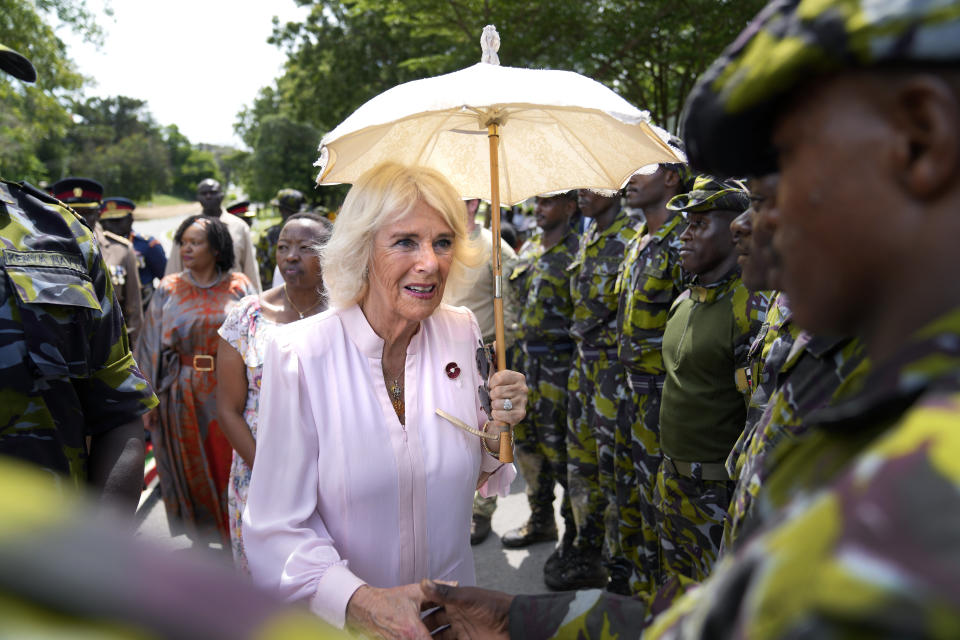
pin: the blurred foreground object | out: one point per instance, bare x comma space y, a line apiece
68, 569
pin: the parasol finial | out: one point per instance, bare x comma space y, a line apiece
489, 45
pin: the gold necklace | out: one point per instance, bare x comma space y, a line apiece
396, 395
300, 313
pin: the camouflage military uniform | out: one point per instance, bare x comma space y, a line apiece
542, 284
705, 345
266, 250
805, 373
860, 523
597, 385
772, 345
67, 372
861, 538
650, 281
121, 260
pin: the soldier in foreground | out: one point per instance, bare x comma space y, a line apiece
857, 104
795, 371
67, 376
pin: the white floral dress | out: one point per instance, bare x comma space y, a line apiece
246, 330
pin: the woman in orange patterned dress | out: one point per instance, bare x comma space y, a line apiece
177, 353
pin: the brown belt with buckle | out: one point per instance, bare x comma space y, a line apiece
199, 362
704, 470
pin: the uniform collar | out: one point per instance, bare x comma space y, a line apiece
619, 221
928, 360
711, 292
673, 222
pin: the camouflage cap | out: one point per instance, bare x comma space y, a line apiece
17, 65
729, 115
290, 199
712, 194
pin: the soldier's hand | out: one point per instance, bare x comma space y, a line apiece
471, 612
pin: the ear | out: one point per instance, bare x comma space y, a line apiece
671, 178
928, 116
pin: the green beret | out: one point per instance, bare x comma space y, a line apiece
728, 117
711, 194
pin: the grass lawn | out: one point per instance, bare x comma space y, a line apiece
162, 200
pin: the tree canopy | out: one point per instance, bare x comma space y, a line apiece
32, 116
50, 131
344, 53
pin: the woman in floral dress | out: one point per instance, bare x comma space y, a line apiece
243, 338
176, 352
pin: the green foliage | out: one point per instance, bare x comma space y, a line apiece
283, 156
33, 118
344, 53
162, 200
235, 167
652, 51
198, 165
135, 166
116, 141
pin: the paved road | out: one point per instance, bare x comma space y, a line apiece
159, 229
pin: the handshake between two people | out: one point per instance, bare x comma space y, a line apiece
431, 609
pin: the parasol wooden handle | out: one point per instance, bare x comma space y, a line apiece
493, 135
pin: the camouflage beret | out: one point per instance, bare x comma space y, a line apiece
17, 65
711, 194
289, 199
729, 116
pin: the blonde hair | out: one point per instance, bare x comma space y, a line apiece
383, 194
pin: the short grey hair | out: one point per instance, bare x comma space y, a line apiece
384, 194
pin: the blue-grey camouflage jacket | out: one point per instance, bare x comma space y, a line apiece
66, 372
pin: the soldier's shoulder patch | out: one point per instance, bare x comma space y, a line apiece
50, 259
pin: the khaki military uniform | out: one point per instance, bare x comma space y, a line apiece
124, 271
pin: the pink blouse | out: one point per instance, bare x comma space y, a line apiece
342, 494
